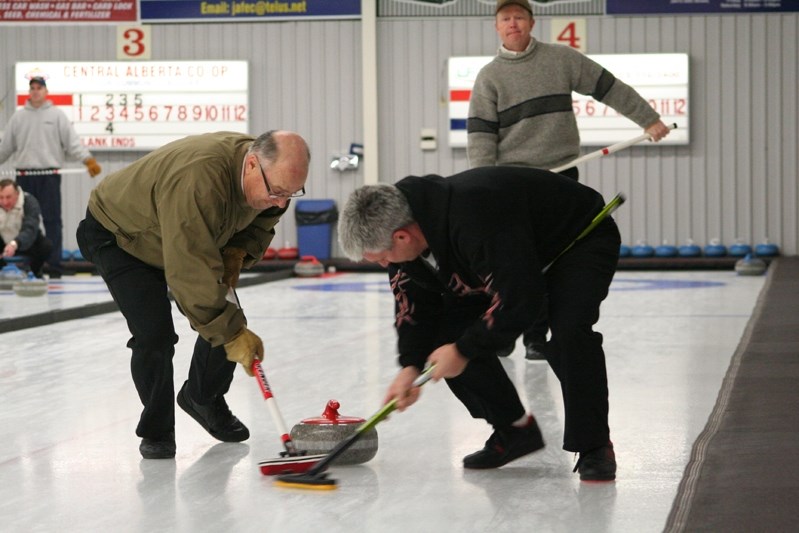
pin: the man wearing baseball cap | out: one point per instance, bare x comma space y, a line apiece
42, 138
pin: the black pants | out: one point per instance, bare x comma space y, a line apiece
37, 253
577, 283
141, 293
46, 188
487, 392
537, 333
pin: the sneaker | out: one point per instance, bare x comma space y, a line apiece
506, 445
598, 464
216, 418
158, 448
535, 351
506, 351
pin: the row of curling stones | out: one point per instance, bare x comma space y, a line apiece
713, 249
319, 435
13, 278
288, 252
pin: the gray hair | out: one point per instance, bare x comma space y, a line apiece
265, 147
369, 219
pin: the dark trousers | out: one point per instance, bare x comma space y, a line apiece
577, 283
141, 293
46, 188
487, 392
537, 333
36, 253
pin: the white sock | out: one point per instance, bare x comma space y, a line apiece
523, 421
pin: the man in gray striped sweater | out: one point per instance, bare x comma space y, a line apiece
520, 112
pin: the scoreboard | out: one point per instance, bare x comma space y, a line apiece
124, 105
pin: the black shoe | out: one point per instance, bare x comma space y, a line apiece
158, 448
506, 445
535, 351
216, 418
598, 464
506, 351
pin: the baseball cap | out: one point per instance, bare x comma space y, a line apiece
39, 80
521, 3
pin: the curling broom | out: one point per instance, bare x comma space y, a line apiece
316, 478
608, 150
291, 461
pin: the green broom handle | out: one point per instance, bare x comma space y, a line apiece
606, 211
387, 409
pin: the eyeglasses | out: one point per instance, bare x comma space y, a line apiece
272, 195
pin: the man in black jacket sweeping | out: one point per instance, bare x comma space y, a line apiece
465, 256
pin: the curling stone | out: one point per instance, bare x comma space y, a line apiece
750, 266
715, 249
625, 251
321, 434
740, 249
270, 254
309, 267
642, 249
666, 250
689, 249
767, 249
32, 286
10, 275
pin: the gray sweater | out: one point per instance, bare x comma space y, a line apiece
520, 112
41, 138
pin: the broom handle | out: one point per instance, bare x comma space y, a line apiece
608, 150
606, 211
387, 409
42, 172
345, 444
258, 370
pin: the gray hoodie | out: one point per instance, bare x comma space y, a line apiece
41, 138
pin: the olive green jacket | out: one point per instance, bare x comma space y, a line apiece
175, 209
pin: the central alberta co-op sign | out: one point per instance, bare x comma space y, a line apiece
661, 79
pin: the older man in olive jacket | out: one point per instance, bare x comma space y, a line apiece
188, 217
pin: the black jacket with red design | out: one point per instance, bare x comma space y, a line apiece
491, 231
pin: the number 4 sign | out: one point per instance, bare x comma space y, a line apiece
570, 32
133, 42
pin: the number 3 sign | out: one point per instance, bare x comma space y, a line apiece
133, 42
570, 32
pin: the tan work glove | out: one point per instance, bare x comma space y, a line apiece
92, 166
245, 347
233, 259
